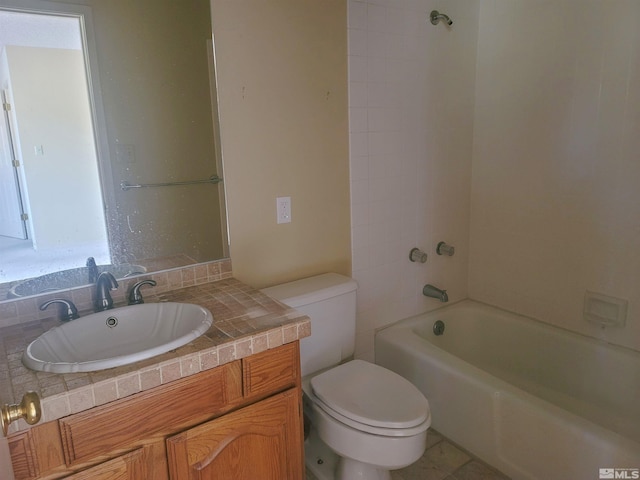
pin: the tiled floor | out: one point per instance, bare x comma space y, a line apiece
444, 461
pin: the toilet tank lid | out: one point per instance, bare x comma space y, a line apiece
312, 289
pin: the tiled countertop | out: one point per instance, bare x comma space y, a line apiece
245, 321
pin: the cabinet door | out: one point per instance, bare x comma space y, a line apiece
131, 466
262, 441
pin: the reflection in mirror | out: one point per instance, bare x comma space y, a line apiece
97, 96
48, 182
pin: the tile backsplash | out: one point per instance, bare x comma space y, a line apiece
24, 310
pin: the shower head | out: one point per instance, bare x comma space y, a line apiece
435, 16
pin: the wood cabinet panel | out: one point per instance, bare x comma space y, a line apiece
101, 429
271, 371
23, 456
131, 466
262, 441
36, 451
49, 453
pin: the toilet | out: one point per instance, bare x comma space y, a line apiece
365, 420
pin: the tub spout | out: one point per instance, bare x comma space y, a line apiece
434, 292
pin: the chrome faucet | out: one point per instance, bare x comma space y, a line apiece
106, 281
433, 292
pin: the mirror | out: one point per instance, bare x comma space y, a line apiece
109, 144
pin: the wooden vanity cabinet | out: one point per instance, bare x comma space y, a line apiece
242, 420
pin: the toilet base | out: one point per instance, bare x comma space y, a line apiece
325, 464
319, 458
349, 469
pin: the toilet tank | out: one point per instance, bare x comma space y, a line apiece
330, 302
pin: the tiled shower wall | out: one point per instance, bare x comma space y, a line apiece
411, 100
556, 173
539, 100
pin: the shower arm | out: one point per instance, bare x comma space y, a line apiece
435, 17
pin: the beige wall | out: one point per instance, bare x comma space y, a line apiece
282, 73
555, 197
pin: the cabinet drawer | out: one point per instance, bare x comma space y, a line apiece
271, 371
118, 424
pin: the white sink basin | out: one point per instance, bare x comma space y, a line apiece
116, 337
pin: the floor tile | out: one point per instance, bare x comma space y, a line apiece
437, 463
443, 460
433, 437
476, 470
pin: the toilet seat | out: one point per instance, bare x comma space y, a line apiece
345, 393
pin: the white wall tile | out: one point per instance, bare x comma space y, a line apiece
397, 20
357, 42
357, 14
377, 44
358, 120
378, 119
406, 110
359, 194
358, 94
376, 18
379, 94
358, 144
360, 259
357, 68
359, 167
360, 213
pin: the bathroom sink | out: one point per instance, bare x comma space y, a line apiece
71, 278
117, 337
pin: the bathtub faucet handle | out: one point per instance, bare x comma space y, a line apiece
434, 292
444, 249
417, 255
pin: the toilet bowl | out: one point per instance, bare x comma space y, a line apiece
365, 420
374, 419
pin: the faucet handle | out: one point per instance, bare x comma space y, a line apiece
417, 255
135, 297
444, 249
70, 314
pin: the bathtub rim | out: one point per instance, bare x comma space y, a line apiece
526, 318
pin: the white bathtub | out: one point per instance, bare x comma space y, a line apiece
534, 401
